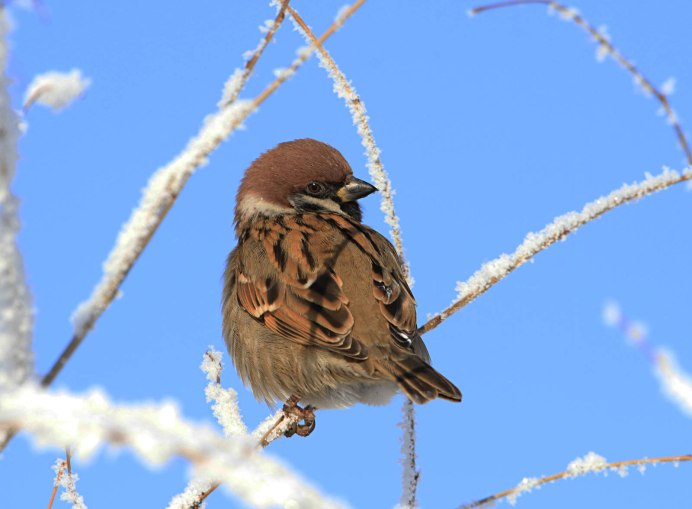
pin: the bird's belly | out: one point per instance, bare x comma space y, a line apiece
378, 392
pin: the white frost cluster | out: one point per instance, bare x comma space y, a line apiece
668, 86
16, 314
193, 492
566, 13
56, 89
592, 462
604, 47
612, 315
156, 434
526, 485
342, 14
675, 383
68, 480
225, 407
494, 270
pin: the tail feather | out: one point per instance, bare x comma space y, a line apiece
420, 382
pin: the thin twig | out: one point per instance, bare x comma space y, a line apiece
68, 460
606, 48
204, 495
534, 483
173, 193
56, 483
496, 270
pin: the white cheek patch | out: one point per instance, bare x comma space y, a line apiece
253, 205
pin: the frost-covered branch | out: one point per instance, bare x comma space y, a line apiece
239, 78
65, 478
16, 316
225, 405
409, 481
589, 464
494, 271
676, 384
605, 49
56, 89
227, 413
160, 195
156, 434
346, 91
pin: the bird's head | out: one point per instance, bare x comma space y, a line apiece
299, 176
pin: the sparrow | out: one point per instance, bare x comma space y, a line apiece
316, 308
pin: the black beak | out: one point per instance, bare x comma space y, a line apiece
355, 189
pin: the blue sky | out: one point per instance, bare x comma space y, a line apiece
489, 127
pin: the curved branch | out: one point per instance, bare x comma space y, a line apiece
494, 271
574, 470
605, 48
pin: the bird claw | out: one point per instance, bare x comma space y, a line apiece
305, 415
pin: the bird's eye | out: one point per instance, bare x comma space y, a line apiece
314, 188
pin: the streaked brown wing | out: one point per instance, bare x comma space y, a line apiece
390, 289
302, 299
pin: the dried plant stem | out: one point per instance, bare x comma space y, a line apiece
608, 49
173, 190
617, 466
494, 271
55, 489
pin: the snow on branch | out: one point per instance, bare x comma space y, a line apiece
165, 186
411, 474
225, 405
56, 89
227, 413
676, 384
16, 315
589, 464
67, 479
604, 49
239, 77
494, 271
346, 91
156, 434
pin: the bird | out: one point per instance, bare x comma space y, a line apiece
316, 308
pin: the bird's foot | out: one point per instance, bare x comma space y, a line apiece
303, 418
